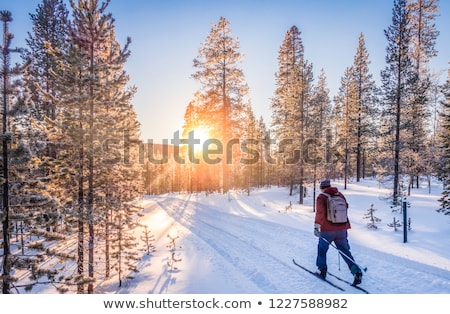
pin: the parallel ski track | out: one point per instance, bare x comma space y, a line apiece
246, 254
203, 221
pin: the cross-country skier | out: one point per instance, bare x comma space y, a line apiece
329, 232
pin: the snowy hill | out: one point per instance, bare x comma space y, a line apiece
239, 243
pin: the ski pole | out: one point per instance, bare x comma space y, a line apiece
351, 259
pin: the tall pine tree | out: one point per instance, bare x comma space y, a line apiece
320, 112
97, 131
445, 146
50, 28
357, 104
290, 105
398, 78
346, 118
366, 106
27, 204
421, 15
223, 87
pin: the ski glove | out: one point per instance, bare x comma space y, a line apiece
317, 230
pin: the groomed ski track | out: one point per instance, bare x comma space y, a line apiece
243, 248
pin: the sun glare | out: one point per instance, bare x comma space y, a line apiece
202, 134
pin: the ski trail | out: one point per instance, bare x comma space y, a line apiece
252, 245
250, 254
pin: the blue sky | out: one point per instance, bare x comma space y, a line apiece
166, 36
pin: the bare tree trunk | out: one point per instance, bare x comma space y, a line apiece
80, 261
90, 193
6, 272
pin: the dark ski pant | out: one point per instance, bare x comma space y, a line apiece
339, 238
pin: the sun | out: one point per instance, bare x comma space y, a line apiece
202, 134
196, 139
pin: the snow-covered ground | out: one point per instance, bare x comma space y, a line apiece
239, 243
244, 244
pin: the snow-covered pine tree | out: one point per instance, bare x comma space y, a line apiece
29, 213
345, 115
422, 15
373, 219
121, 184
434, 151
294, 80
50, 27
320, 113
356, 108
402, 198
366, 111
7, 72
148, 240
395, 224
90, 32
67, 133
107, 104
49, 30
223, 87
96, 131
398, 78
123, 251
444, 171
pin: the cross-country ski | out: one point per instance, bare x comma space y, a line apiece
317, 276
348, 282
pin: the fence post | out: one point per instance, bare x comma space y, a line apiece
405, 223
